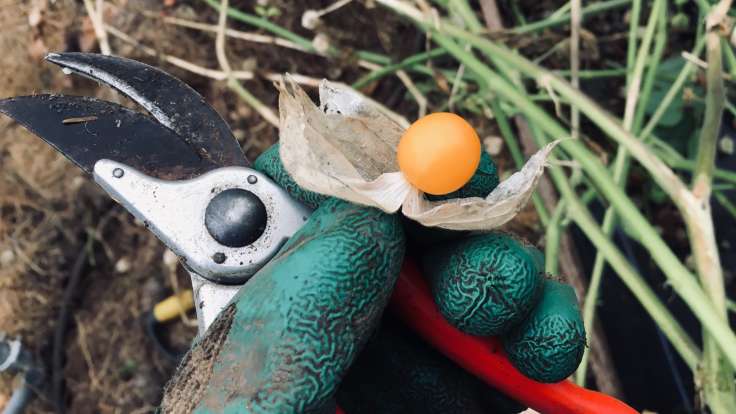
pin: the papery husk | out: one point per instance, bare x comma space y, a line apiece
476, 213
341, 149
346, 148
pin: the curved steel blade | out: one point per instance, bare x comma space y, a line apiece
172, 102
87, 130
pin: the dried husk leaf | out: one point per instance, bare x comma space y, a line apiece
476, 213
346, 148
343, 148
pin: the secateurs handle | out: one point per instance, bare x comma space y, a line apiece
484, 357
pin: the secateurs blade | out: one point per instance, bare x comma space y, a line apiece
178, 169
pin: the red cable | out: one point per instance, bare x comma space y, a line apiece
484, 357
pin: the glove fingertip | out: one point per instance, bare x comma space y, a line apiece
485, 284
548, 346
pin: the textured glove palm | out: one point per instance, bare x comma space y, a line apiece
290, 335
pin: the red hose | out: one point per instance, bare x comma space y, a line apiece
484, 357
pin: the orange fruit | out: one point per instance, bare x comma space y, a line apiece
439, 153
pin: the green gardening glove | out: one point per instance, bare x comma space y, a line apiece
399, 373
290, 335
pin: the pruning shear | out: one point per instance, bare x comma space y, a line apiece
183, 174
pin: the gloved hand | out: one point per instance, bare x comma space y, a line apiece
290, 335
399, 373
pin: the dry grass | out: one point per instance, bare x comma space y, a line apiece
33, 191
47, 212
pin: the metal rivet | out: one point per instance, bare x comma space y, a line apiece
219, 257
252, 179
118, 172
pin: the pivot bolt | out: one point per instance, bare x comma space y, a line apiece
236, 217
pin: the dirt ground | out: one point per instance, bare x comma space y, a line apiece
51, 216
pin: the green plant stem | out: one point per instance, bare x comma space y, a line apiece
716, 374
578, 212
517, 154
679, 277
552, 239
681, 280
726, 203
723, 187
517, 13
671, 328
465, 12
730, 57
662, 174
621, 163
558, 20
675, 88
506, 132
392, 68
689, 165
660, 41
675, 160
703, 6
562, 10
595, 74
253, 102
715, 102
574, 44
731, 108
634, 17
662, 317
463, 9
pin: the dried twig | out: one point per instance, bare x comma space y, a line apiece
251, 37
96, 16
414, 91
694, 59
311, 18
456, 82
300, 79
236, 34
702, 64
220, 39
178, 62
491, 15
266, 39
82, 342
267, 113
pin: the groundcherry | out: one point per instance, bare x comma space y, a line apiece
439, 153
